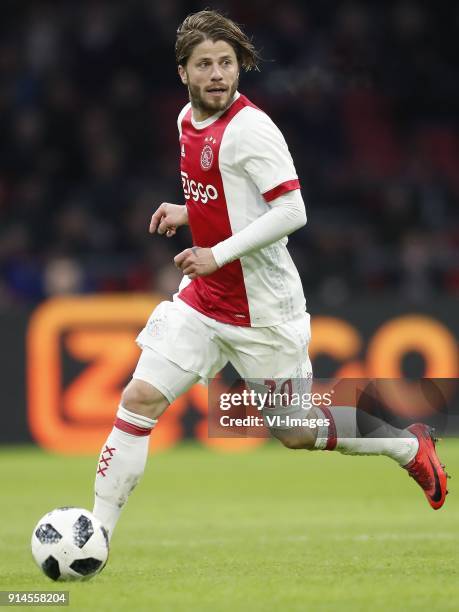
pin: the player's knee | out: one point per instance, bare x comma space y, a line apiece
294, 439
142, 398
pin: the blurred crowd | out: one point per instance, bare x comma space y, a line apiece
366, 94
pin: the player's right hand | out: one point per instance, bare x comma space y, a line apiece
167, 218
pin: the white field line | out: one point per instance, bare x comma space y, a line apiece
13, 544
362, 537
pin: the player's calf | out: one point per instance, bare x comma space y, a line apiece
142, 398
124, 454
296, 437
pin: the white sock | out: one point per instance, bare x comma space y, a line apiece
121, 464
343, 435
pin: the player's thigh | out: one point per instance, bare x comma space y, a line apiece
183, 339
278, 352
155, 384
276, 360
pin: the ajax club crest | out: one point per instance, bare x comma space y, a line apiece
207, 155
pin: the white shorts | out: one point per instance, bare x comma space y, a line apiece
182, 346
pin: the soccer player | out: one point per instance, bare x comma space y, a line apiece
241, 298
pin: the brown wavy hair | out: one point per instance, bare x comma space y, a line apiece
211, 25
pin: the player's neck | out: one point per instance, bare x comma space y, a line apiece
201, 115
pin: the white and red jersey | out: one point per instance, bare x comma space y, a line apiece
233, 165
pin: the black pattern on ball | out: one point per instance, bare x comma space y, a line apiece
82, 531
51, 568
47, 534
86, 567
105, 533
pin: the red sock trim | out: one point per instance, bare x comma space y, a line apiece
131, 429
331, 437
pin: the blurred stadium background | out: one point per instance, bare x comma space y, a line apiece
367, 96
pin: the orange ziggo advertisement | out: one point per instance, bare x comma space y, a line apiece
81, 352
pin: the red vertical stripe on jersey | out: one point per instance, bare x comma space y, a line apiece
284, 187
221, 295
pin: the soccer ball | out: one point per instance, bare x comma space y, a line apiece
70, 544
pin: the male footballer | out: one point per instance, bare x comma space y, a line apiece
241, 299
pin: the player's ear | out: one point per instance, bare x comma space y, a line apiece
183, 75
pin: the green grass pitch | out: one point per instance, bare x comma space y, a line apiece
271, 529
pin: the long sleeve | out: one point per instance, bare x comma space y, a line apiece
287, 213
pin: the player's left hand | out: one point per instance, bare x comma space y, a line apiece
196, 262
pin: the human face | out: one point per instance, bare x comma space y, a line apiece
212, 76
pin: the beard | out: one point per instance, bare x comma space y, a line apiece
210, 108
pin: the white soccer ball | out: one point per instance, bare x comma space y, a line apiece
70, 544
